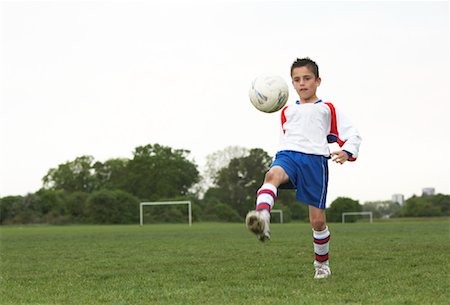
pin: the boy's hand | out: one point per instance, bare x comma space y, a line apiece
339, 156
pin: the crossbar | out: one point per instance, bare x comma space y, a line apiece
141, 208
357, 213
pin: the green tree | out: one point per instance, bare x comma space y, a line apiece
112, 174
340, 205
442, 202
238, 182
72, 176
215, 162
426, 206
160, 172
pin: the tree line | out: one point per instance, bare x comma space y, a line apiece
87, 191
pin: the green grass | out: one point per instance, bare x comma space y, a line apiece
392, 262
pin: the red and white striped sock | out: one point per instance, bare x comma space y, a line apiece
321, 245
266, 197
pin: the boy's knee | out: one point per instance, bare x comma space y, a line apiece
318, 224
275, 176
270, 176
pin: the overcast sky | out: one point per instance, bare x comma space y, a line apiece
103, 77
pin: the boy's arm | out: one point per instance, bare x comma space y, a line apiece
350, 137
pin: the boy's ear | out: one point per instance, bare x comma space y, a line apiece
318, 80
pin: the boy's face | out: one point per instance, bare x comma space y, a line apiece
305, 83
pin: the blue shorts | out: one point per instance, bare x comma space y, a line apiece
307, 173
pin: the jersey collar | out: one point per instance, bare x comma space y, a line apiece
319, 101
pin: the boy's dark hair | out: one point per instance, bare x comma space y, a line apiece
306, 62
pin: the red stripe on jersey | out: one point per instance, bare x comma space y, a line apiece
283, 118
334, 129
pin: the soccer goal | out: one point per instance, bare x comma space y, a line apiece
142, 204
357, 213
279, 212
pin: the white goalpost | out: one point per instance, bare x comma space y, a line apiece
280, 212
357, 213
142, 204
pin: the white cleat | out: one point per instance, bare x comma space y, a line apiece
322, 270
258, 223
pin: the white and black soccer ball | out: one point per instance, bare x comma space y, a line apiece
269, 93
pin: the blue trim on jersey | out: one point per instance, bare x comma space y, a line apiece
298, 102
331, 138
348, 153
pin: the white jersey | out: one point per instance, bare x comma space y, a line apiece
308, 128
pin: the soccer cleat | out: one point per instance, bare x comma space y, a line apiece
258, 223
322, 270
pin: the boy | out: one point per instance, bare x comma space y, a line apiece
302, 159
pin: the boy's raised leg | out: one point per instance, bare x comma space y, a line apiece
258, 223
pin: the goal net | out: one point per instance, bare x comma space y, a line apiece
142, 204
369, 214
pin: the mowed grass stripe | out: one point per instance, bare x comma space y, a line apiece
395, 262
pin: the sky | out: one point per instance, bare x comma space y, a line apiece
100, 78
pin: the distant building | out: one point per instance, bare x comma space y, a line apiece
399, 198
428, 191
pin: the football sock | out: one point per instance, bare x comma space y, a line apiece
321, 245
267, 195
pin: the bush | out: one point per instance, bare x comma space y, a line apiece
10, 207
300, 211
426, 206
287, 213
221, 212
76, 206
112, 207
51, 201
27, 210
340, 205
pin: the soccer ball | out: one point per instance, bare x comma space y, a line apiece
269, 93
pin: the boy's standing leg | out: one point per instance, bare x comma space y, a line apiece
321, 238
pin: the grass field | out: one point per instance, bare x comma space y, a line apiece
392, 262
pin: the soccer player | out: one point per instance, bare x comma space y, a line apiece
302, 159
